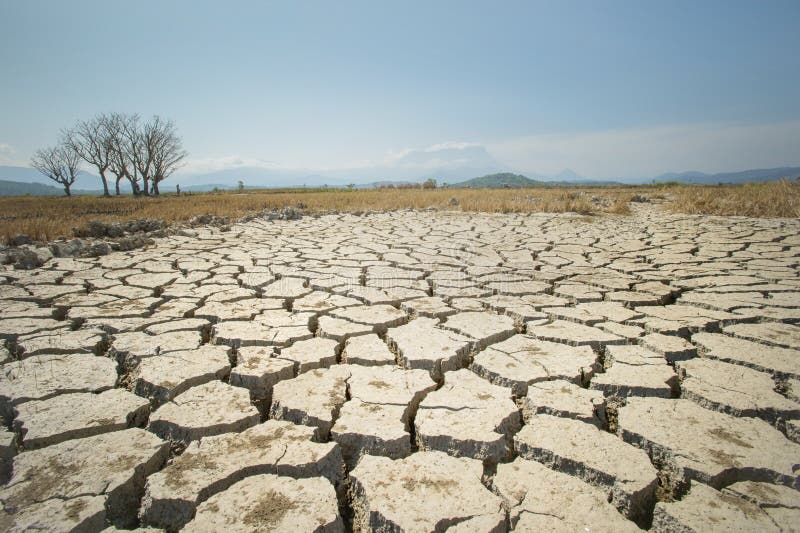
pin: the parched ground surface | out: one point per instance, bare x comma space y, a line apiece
416, 371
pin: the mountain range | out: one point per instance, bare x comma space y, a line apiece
411, 167
742, 176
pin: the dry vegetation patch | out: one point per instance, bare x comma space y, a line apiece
48, 218
771, 199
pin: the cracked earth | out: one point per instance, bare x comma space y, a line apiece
410, 371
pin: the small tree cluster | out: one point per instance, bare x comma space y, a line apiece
427, 184
120, 147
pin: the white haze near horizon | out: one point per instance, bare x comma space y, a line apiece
611, 154
650, 151
626, 153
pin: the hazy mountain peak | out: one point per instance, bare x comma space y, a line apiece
568, 174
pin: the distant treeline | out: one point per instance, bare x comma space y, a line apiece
427, 184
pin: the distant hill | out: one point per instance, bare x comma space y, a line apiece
516, 181
758, 175
18, 188
568, 176
86, 180
498, 181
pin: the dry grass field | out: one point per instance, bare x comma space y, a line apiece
771, 199
47, 218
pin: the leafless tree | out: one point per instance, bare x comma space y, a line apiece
59, 163
155, 151
166, 149
90, 139
118, 153
138, 141
122, 166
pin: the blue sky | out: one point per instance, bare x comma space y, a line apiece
608, 89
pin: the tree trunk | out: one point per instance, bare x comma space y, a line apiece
119, 178
155, 188
66, 189
105, 183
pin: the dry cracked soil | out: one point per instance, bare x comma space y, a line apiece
410, 371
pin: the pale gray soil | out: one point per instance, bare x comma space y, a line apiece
410, 371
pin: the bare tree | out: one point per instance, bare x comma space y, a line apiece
116, 143
141, 139
91, 140
122, 149
59, 163
167, 149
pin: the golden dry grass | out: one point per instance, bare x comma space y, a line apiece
47, 218
771, 199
